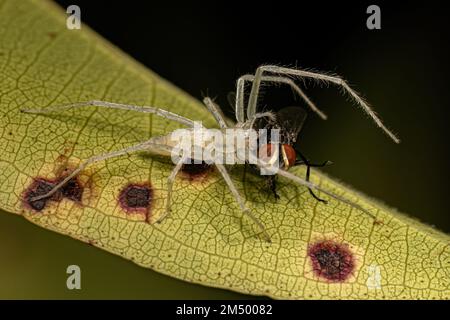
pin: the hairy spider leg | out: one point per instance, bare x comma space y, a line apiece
150, 146
253, 98
240, 105
112, 105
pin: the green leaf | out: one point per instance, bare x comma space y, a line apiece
318, 251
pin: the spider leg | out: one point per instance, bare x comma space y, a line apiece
216, 112
239, 107
251, 108
239, 200
311, 185
275, 79
146, 145
112, 105
257, 116
170, 182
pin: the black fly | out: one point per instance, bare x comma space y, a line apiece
289, 121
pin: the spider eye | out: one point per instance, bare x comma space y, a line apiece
290, 153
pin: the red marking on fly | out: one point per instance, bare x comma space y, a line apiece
136, 198
331, 260
288, 154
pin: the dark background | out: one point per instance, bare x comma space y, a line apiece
401, 69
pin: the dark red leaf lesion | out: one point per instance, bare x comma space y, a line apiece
196, 172
72, 190
331, 260
137, 198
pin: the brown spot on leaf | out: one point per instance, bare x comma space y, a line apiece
136, 198
72, 190
377, 223
62, 159
331, 260
196, 171
52, 35
40, 186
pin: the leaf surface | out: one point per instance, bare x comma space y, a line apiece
205, 240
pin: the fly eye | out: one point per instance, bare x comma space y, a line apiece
289, 155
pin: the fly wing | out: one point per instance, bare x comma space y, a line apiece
291, 121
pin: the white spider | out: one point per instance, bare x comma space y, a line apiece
161, 144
